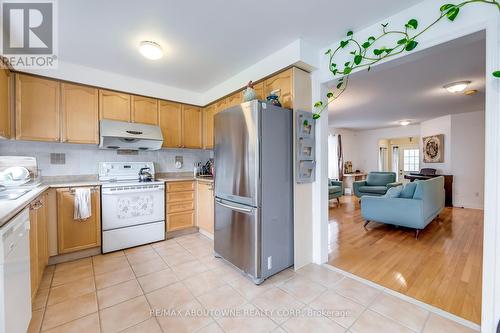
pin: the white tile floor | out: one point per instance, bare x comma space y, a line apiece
178, 286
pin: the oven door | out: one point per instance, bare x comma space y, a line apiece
124, 206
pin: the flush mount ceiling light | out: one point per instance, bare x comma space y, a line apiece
456, 87
404, 122
150, 50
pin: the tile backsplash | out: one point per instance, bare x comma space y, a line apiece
83, 159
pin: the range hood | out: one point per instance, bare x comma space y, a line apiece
120, 135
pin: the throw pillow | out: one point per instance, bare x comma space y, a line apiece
408, 190
394, 192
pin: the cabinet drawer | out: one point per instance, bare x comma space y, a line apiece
180, 186
179, 221
180, 196
176, 207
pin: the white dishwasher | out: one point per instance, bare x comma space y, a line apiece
15, 286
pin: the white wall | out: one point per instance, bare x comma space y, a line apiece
467, 151
83, 159
361, 146
441, 125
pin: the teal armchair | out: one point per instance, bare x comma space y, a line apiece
413, 210
335, 189
376, 184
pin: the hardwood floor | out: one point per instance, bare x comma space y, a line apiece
442, 268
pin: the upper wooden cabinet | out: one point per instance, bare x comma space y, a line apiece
191, 125
234, 99
170, 121
80, 113
37, 108
75, 235
208, 126
114, 105
259, 90
282, 84
5, 116
144, 110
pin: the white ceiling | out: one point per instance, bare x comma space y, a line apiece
206, 42
411, 87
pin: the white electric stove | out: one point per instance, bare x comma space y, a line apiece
133, 212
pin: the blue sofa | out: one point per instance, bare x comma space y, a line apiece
335, 189
417, 205
376, 183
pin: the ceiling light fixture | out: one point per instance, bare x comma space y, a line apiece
150, 50
404, 122
456, 87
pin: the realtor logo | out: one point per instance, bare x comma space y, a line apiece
28, 33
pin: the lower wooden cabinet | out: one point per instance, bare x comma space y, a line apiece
75, 235
39, 254
180, 205
205, 206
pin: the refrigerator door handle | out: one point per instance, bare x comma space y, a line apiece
238, 209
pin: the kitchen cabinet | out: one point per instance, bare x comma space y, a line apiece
5, 115
144, 110
282, 84
259, 90
191, 127
80, 114
39, 255
75, 235
208, 126
170, 121
234, 99
114, 105
180, 205
37, 108
205, 206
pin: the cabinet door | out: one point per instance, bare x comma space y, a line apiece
114, 105
170, 121
282, 84
234, 99
205, 207
178, 221
191, 124
259, 91
42, 235
80, 110
33, 251
144, 110
37, 108
4, 103
208, 126
75, 235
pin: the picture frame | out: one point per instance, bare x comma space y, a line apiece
433, 149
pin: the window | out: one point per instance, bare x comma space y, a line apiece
411, 160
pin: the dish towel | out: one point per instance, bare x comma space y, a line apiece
83, 207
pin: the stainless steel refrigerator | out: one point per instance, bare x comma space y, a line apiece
254, 188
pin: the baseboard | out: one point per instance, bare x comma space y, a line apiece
58, 259
206, 233
182, 232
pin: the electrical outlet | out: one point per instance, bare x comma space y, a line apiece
269, 262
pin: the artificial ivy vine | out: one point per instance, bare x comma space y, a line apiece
364, 54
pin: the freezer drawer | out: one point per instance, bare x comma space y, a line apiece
236, 237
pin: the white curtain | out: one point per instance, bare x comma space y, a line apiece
395, 159
382, 159
333, 168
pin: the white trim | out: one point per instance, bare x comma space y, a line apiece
408, 299
474, 20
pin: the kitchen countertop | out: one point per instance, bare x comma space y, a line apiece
10, 208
